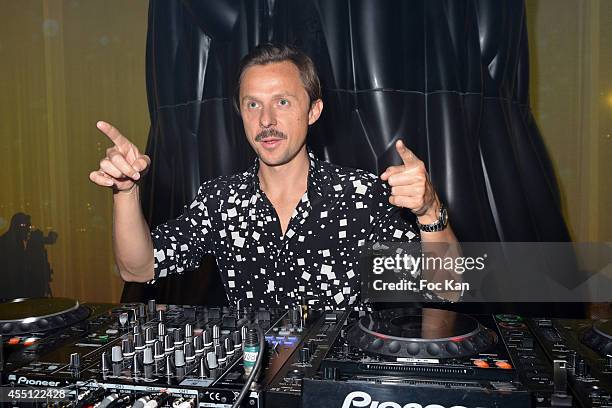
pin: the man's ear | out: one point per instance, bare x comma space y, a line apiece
315, 111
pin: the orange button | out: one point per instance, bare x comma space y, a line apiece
481, 364
503, 364
30, 341
14, 340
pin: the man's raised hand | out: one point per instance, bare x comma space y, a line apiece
123, 164
410, 185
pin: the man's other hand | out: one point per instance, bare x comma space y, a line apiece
410, 186
123, 164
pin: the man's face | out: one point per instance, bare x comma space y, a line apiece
276, 111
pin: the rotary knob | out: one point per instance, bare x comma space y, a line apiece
189, 352
148, 356
178, 337
179, 358
237, 339
75, 361
220, 353
304, 355
161, 329
139, 343
149, 335
188, 331
127, 347
117, 354
151, 307
211, 360
105, 361
168, 344
158, 350
229, 347
198, 343
215, 334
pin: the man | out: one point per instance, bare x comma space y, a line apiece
289, 229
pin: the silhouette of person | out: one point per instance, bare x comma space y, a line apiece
24, 268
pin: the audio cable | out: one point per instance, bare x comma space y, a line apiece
255, 369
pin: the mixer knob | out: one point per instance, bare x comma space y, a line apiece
158, 350
203, 369
141, 311
136, 328
151, 307
229, 347
237, 339
169, 366
188, 331
136, 364
189, 352
123, 319
75, 361
161, 329
243, 333
168, 344
198, 343
105, 361
220, 353
178, 337
139, 342
127, 347
207, 338
211, 360
148, 356
179, 358
117, 354
133, 313
160, 315
149, 335
304, 355
215, 334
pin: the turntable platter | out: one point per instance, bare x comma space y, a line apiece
432, 333
22, 316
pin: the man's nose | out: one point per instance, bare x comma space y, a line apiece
267, 118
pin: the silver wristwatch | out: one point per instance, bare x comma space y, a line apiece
439, 225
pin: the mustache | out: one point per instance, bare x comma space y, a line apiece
266, 133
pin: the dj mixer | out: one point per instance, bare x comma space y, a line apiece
58, 352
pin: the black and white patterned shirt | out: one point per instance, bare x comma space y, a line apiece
317, 258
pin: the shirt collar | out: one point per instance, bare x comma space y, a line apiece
316, 177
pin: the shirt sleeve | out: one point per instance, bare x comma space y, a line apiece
179, 244
388, 222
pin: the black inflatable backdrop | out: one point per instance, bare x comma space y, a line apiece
449, 77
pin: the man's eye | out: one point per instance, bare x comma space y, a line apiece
252, 105
283, 102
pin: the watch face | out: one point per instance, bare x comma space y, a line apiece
443, 217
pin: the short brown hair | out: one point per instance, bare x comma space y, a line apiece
270, 53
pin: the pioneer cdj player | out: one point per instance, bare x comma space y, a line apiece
58, 352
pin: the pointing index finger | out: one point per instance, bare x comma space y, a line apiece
113, 134
406, 154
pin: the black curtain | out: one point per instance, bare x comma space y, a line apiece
449, 77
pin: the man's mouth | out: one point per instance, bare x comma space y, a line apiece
271, 142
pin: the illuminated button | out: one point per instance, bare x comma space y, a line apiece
30, 341
14, 340
481, 364
112, 331
503, 364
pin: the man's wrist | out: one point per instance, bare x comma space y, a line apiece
131, 192
431, 214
